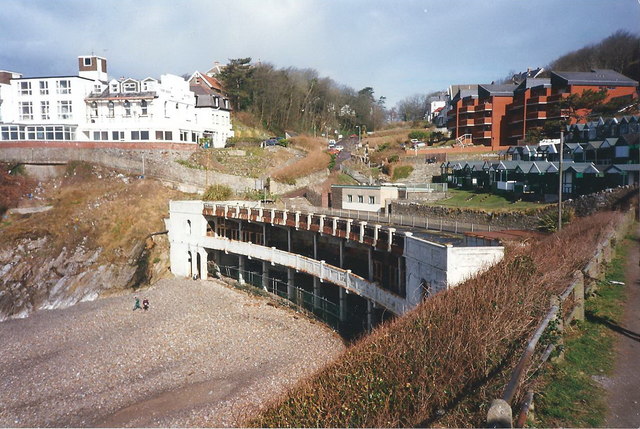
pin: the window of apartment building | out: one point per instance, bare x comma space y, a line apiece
94, 109
350, 198
101, 135
44, 87
139, 135
26, 110
117, 135
144, 108
111, 108
63, 86
12, 132
97, 88
184, 136
360, 199
64, 109
25, 88
127, 108
87, 61
164, 135
44, 110
372, 199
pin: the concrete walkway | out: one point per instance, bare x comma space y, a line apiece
624, 384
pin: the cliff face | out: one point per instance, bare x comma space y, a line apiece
93, 240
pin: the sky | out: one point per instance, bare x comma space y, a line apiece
400, 48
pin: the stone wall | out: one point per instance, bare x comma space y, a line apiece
157, 163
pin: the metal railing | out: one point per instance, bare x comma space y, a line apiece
320, 306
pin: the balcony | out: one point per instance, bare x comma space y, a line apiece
485, 120
465, 122
466, 109
477, 135
542, 114
538, 100
484, 107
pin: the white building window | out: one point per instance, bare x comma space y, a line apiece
44, 87
372, 199
63, 86
139, 135
64, 109
350, 198
44, 110
94, 109
87, 61
164, 135
117, 135
129, 87
360, 199
144, 108
110, 105
25, 88
26, 110
127, 108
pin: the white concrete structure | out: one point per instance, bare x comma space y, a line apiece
88, 107
363, 198
430, 267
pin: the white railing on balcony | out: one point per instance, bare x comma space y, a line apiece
325, 272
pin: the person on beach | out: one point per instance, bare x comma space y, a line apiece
137, 304
145, 304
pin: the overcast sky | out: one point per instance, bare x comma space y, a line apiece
398, 47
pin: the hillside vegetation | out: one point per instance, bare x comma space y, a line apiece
441, 364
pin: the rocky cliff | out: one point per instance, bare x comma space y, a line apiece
86, 234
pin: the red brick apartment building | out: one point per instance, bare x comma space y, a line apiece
501, 115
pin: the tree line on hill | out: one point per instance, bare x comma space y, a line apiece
300, 100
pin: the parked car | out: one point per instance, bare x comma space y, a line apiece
419, 144
339, 147
431, 160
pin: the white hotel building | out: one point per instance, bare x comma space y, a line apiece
91, 108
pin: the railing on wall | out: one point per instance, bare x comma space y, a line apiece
325, 272
564, 308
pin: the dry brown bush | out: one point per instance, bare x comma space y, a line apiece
441, 363
315, 160
12, 188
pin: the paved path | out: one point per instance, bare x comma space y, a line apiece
624, 384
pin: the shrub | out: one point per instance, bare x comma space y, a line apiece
394, 158
217, 193
402, 172
420, 135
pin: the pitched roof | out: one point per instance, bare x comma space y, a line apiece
594, 77
496, 90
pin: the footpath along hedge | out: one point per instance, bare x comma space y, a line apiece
442, 363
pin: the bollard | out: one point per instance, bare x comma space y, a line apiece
499, 414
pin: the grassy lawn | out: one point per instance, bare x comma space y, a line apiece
570, 395
484, 201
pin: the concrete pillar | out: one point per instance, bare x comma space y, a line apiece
203, 264
240, 229
290, 288
316, 293
194, 262
315, 246
226, 211
376, 231
297, 220
288, 240
341, 253
260, 213
240, 269
334, 224
499, 414
391, 231
349, 222
265, 275
285, 213
370, 263
273, 215
309, 220
362, 225
343, 304
264, 234
322, 223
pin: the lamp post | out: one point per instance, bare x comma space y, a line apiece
560, 181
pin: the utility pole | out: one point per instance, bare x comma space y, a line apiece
560, 181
